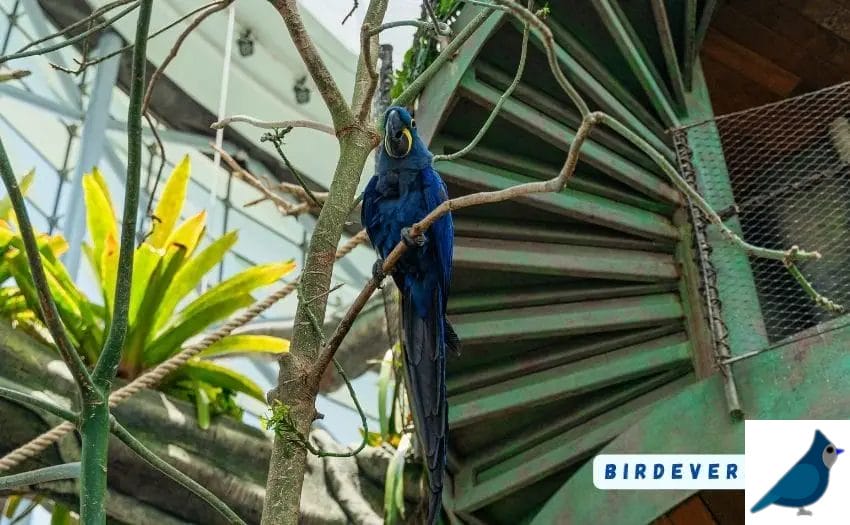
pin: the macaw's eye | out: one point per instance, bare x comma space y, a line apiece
830, 449
412, 123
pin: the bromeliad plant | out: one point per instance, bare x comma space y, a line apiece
169, 266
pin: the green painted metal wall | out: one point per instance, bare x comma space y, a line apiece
582, 322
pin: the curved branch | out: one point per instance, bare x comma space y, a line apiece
340, 112
498, 107
47, 305
274, 124
166, 468
212, 8
36, 402
42, 475
73, 40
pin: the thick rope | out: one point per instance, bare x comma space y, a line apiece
153, 376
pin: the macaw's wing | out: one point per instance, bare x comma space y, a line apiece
798, 483
442, 231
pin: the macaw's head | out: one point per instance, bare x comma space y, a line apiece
399, 132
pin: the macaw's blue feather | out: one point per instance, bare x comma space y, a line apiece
403, 191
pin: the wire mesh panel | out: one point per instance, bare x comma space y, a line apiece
788, 167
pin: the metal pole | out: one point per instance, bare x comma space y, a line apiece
91, 146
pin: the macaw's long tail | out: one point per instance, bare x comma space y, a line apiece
425, 360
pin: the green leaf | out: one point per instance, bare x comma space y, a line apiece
394, 486
383, 390
190, 275
189, 233
242, 283
170, 341
145, 261
241, 344
141, 333
61, 515
6, 202
100, 218
170, 204
221, 376
12, 504
202, 406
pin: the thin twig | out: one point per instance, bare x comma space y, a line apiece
84, 64
428, 26
41, 475
15, 74
497, 108
162, 161
67, 29
274, 124
49, 312
172, 54
39, 403
325, 83
416, 87
276, 138
282, 205
439, 27
350, 13
169, 470
73, 40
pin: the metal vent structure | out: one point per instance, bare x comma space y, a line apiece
788, 167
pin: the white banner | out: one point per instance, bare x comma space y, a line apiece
668, 471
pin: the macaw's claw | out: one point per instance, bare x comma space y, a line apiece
378, 271
412, 241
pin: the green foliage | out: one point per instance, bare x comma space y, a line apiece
423, 50
169, 266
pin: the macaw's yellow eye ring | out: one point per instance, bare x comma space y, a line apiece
409, 138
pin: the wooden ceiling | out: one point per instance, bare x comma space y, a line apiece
761, 51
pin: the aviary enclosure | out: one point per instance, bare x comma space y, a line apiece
626, 272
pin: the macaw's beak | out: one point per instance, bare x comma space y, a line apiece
838, 450
397, 137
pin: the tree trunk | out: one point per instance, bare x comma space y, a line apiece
296, 386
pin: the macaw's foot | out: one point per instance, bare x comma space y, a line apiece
804, 512
412, 241
378, 271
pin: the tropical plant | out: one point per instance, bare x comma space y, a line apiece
169, 265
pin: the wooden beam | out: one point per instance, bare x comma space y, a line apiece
563, 260
750, 64
690, 44
570, 203
560, 136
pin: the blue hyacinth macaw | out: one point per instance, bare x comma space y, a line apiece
807, 480
402, 192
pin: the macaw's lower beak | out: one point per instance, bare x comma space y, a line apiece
397, 138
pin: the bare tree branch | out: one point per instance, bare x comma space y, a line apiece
274, 124
340, 112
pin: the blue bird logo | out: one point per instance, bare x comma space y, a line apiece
807, 480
